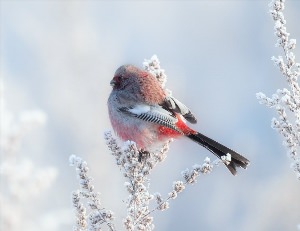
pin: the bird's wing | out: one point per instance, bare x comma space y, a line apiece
152, 114
175, 106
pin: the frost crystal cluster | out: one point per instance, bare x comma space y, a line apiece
136, 169
286, 102
153, 66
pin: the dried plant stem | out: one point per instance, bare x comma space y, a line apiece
288, 125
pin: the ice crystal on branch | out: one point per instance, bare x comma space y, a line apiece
153, 66
287, 124
226, 159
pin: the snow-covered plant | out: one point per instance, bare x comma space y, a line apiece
141, 203
285, 101
20, 179
94, 216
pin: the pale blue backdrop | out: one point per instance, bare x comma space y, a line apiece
59, 56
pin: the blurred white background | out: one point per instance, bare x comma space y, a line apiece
59, 56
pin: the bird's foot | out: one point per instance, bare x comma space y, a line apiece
143, 154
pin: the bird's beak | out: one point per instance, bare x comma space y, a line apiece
112, 83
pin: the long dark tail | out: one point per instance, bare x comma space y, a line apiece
220, 150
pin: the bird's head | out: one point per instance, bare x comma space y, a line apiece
126, 76
138, 84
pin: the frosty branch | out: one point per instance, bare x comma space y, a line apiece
286, 102
97, 215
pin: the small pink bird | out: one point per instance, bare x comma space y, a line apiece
140, 111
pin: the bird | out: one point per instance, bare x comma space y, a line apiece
140, 110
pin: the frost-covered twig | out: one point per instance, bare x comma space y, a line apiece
137, 173
287, 124
190, 177
96, 214
153, 66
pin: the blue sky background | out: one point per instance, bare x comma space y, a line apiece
59, 56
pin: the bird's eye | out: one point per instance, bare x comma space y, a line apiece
118, 78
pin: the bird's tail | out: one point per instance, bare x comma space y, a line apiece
220, 150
